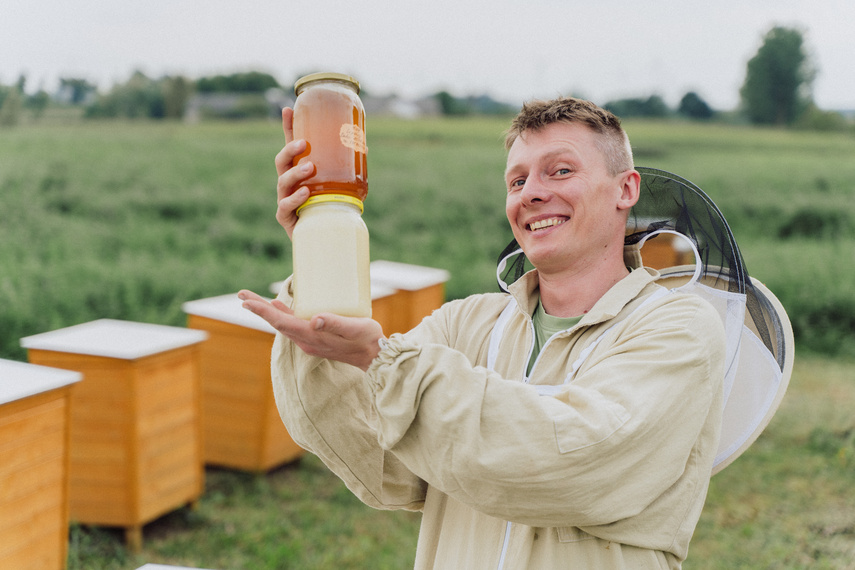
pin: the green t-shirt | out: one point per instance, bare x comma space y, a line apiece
544, 327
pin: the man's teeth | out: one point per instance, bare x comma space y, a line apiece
539, 225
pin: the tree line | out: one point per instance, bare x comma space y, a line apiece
776, 91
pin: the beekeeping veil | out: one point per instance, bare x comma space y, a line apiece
759, 356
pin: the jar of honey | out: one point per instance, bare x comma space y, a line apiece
331, 259
329, 116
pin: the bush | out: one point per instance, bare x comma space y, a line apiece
815, 119
652, 107
817, 223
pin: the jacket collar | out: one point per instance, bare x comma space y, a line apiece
526, 293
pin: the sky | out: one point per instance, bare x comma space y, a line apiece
512, 50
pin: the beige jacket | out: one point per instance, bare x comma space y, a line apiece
609, 472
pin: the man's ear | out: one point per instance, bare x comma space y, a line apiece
630, 188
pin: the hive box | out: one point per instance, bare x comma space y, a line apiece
419, 291
241, 424
667, 250
136, 448
34, 416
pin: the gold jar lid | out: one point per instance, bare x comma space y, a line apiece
324, 76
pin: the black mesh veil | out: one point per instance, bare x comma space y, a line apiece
669, 202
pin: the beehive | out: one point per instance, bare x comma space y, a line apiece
241, 424
419, 291
135, 447
34, 417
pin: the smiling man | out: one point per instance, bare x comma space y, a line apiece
569, 423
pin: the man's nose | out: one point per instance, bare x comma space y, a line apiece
534, 190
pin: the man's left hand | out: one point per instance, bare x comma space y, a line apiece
346, 339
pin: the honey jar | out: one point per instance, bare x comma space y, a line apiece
329, 116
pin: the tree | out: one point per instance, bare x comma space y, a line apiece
652, 107
176, 92
11, 103
75, 91
38, 103
10, 110
693, 107
249, 82
139, 98
451, 105
778, 79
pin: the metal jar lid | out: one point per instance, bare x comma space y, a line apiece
325, 76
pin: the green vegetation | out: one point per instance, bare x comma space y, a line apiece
128, 220
297, 516
778, 79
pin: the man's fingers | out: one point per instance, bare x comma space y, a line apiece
284, 159
288, 123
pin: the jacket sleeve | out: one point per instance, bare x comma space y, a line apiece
602, 449
327, 408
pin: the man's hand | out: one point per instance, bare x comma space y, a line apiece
290, 195
345, 339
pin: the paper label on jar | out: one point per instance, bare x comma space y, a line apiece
353, 137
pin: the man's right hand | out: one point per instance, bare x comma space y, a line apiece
290, 195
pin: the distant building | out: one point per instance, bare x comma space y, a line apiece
235, 105
392, 105
245, 105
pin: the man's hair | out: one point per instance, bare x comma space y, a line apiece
612, 142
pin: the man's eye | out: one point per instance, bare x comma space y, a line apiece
518, 183
562, 171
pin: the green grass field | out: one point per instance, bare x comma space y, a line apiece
128, 220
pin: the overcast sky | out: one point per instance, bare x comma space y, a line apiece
513, 50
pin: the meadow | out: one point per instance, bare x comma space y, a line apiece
129, 220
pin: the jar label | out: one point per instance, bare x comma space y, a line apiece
353, 137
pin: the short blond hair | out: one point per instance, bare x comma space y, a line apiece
612, 142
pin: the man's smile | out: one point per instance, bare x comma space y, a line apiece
547, 223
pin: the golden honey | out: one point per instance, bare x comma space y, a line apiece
329, 116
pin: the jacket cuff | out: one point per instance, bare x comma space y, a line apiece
286, 293
391, 349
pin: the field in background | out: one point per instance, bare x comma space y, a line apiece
128, 220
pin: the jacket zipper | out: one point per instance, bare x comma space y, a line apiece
505, 546
509, 524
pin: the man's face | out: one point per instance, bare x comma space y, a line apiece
566, 211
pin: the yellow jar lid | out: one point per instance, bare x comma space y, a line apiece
323, 198
324, 76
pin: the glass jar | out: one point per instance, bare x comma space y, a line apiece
329, 115
331, 258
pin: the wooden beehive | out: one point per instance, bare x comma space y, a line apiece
241, 424
419, 291
136, 449
385, 305
666, 250
34, 417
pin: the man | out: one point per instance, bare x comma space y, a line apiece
570, 424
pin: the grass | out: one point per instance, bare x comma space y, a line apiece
130, 219
788, 501
297, 516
